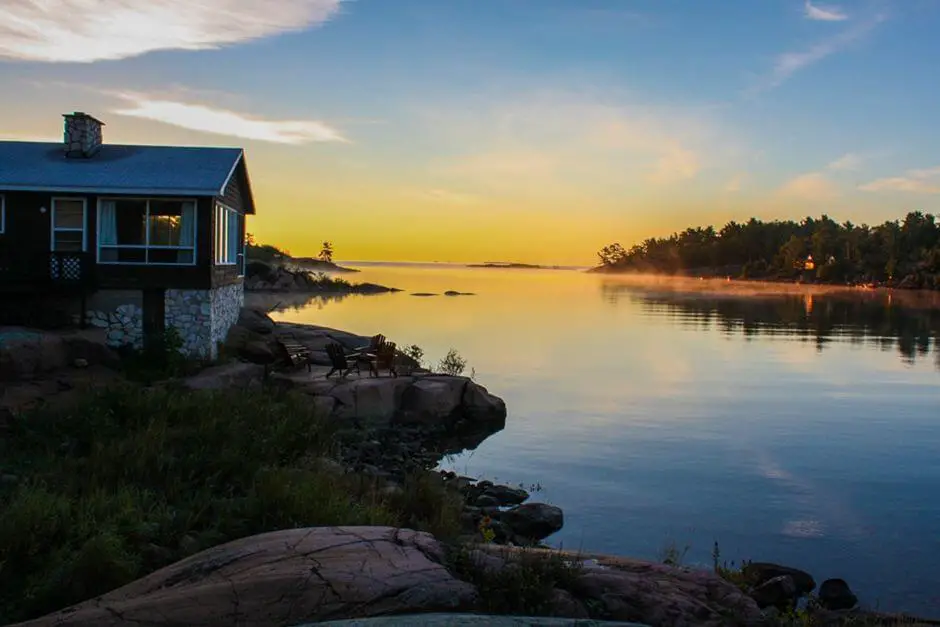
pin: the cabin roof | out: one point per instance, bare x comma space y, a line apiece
118, 169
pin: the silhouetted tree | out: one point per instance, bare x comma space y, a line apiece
326, 253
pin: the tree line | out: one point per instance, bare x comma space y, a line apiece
901, 253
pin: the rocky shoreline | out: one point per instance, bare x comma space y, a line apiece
262, 277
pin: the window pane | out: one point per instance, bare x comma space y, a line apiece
226, 222
165, 222
164, 230
69, 214
131, 221
233, 237
131, 255
67, 241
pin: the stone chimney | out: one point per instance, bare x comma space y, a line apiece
82, 135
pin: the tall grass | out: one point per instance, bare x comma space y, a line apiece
132, 479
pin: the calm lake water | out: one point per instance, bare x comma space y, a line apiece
801, 427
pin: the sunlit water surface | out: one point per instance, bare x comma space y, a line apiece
802, 428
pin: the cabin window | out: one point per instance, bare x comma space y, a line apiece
68, 225
147, 231
228, 240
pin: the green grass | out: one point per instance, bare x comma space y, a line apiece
132, 479
524, 587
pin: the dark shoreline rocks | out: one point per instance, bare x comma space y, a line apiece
261, 277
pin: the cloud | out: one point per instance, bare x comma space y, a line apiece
207, 119
551, 142
812, 186
824, 13
789, 63
95, 30
676, 163
447, 196
925, 181
735, 183
848, 161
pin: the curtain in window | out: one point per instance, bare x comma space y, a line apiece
107, 224
187, 231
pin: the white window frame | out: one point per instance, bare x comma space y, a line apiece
146, 246
53, 229
222, 214
3, 214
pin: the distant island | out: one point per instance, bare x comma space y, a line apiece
506, 264
902, 253
271, 269
318, 265
270, 254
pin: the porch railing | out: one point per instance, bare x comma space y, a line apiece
46, 270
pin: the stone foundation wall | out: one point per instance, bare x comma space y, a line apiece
227, 303
190, 312
201, 317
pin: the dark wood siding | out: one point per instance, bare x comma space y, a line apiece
28, 229
233, 195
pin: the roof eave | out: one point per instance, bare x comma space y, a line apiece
124, 191
240, 161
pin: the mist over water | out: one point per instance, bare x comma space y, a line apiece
789, 423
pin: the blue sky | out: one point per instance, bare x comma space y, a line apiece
524, 126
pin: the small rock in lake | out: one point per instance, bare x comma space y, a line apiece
779, 592
485, 500
758, 573
506, 495
534, 521
835, 594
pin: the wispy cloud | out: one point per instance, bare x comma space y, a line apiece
789, 63
207, 119
449, 197
734, 185
676, 163
812, 186
96, 30
822, 13
848, 161
926, 181
550, 139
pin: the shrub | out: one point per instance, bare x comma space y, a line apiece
524, 587
452, 364
415, 352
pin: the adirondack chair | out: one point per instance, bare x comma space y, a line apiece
339, 361
385, 358
371, 348
293, 354
344, 364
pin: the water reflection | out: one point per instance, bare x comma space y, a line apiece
909, 323
291, 301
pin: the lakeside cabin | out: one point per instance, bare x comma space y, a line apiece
132, 239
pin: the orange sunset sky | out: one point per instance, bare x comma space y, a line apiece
517, 130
